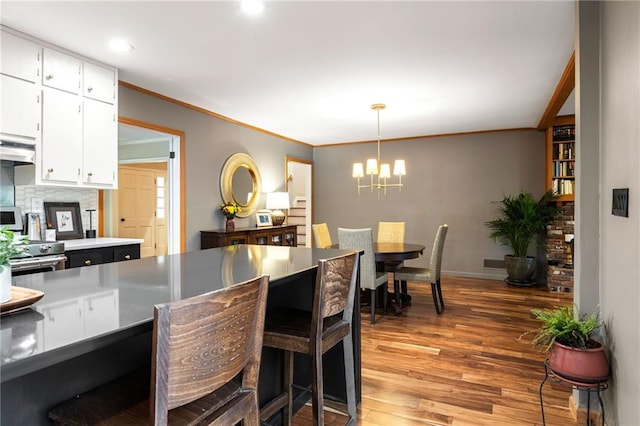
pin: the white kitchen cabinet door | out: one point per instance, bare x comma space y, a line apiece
19, 58
100, 144
19, 110
99, 83
101, 313
61, 137
61, 71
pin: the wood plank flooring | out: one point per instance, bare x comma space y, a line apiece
464, 367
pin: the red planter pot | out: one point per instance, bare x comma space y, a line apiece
580, 365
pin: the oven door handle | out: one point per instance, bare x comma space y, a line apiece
37, 262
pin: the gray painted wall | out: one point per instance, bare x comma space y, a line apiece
619, 255
209, 142
449, 180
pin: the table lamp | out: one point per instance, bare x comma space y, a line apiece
276, 202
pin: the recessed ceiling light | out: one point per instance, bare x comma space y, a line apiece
120, 45
252, 7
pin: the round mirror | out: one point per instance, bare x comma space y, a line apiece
240, 182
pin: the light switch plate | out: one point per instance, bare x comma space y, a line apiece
620, 202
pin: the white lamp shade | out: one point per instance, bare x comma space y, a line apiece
358, 171
399, 168
277, 200
385, 171
372, 166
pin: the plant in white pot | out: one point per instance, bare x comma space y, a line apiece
574, 353
521, 221
8, 249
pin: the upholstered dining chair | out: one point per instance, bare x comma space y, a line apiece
314, 333
370, 279
430, 274
200, 344
392, 232
321, 235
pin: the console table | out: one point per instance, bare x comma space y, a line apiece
267, 235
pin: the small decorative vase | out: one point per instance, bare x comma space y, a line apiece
230, 225
5, 284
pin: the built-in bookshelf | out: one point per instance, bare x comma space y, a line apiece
561, 156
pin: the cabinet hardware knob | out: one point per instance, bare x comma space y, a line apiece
127, 257
50, 170
87, 262
49, 77
90, 174
122, 219
90, 89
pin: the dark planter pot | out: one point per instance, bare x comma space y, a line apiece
520, 269
579, 365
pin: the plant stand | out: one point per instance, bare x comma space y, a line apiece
596, 387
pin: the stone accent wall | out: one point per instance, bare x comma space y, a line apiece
559, 277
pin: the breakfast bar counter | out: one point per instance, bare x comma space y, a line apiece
94, 323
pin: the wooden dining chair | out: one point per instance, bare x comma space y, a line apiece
321, 235
200, 344
314, 333
392, 232
370, 279
430, 274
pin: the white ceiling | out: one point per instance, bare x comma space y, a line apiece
310, 70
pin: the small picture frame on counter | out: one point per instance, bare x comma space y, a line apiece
65, 219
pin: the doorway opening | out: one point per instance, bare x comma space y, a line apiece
299, 184
149, 201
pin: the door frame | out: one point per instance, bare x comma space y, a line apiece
308, 178
177, 186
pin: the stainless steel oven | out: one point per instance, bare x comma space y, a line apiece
39, 256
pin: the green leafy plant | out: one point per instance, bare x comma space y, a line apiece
230, 209
562, 325
521, 220
9, 246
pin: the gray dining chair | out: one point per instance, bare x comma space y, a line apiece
370, 279
430, 274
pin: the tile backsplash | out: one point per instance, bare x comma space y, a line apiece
88, 199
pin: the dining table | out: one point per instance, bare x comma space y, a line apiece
389, 256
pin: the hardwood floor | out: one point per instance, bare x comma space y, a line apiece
464, 367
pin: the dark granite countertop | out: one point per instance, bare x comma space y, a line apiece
86, 308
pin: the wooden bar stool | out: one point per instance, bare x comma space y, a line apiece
200, 344
314, 333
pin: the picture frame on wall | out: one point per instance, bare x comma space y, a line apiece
65, 218
263, 218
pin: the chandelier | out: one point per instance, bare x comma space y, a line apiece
379, 175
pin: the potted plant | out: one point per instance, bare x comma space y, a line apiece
521, 220
568, 338
8, 249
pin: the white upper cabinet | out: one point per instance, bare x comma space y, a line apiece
19, 103
64, 104
19, 58
61, 137
99, 83
19, 110
61, 71
99, 160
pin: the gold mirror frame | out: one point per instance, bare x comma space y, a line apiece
234, 163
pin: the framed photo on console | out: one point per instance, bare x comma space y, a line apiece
65, 219
263, 218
